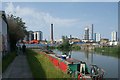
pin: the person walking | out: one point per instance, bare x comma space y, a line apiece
18, 48
23, 48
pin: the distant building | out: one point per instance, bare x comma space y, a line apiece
74, 40
70, 36
31, 35
51, 34
115, 43
26, 38
98, 37
104, 41
94, 36
38, 35
91, 33
59, 41
86, 34
114, 36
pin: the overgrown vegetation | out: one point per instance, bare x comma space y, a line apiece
16, 29
7, 60
75, 47
113, 51
41, 67
67, 46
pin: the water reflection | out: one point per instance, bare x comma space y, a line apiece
92, 58
87, 55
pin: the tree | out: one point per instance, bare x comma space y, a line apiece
65, 45
17, 30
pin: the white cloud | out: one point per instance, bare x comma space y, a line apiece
37, 20
0, 5
34, 16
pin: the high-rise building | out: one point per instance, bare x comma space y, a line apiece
114, 36
38, 35
94, 36
51, 32
70, 36
98, 37
31, 36
91, 32
86, 35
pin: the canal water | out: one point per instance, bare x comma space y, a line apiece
107, 62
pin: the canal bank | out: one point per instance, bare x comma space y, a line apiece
113, 51
41, 66
105, 60
68, 66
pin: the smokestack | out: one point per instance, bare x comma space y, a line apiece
92, 32
51, 32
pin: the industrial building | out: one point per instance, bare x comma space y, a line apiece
51, 37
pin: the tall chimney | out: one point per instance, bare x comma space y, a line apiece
51, 32
92, 32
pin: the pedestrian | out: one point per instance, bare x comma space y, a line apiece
23, 48
18, 48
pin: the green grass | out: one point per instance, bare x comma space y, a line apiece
111, 51
41, 67
7, 60
75, 47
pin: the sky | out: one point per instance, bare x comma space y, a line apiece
69, 18
60, 0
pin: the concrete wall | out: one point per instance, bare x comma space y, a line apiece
4, 42
0, 34
4, 36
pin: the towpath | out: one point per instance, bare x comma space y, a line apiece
19, 68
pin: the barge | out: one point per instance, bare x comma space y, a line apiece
76, 68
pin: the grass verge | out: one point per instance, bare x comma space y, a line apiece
7, 60
111, 51
41, 67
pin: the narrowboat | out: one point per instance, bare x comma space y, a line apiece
76, 68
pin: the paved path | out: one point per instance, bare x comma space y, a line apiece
19, 68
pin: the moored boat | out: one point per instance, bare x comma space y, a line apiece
76, 68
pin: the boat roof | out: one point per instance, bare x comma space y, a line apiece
72, 60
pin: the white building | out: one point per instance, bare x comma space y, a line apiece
91, 32
86, 34
98, 37
94, 36
38, 35
113, 43
114, 36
